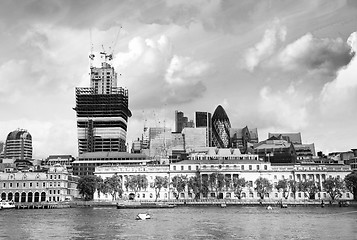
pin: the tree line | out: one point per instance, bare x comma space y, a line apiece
215, 182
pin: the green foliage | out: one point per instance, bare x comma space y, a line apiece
334, 187
159, 183
263, 186
308, 187
87, 186
238, 185
351, 184
179, 184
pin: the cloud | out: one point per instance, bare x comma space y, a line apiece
156, 76
284, 109
322, 55
266, 47
338, 97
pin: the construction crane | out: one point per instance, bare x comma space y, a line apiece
109, 56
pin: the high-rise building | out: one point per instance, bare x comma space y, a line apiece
182, 122
204, 119
160, 142
195, 138
19, 145
220, 128
102, 112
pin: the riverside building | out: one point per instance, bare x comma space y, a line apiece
230, 165
54, 185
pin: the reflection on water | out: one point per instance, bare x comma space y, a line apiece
181, 223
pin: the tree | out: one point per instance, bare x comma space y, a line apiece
308, 187
334, 187
160, 182
227, 182
216, 182
87, 186
351, 184
238, 185
179, 185
101, 187
293, 185
136, 183
263, 186
283, 185
113, 185
194, 184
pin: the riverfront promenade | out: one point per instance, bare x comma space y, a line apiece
182, 202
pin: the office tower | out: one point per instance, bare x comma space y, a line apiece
182, 122
160, 142
220, 128
102, 112
195, 138
204, 119
19, 145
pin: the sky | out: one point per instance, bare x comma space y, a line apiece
279, 66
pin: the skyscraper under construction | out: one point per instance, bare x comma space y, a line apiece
102, 112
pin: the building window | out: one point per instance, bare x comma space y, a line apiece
17, 185
299, 195
24, 185
242, 167
265, 167
197, 167
250, 167
181, 167
258, 167
174, 168
276, 195
189, 167
275, 177
4, 185
143, 195
251, 195
30, 184
43, 184
10, 185
50, 191
347, 195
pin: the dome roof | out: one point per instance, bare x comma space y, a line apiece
220, 114
18, 134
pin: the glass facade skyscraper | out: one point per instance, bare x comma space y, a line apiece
220, 128
102, 112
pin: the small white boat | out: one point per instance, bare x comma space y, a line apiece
7, 204
269, 207
143, 216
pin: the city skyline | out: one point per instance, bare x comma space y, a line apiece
276, 66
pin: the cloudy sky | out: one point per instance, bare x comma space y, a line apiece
279, 66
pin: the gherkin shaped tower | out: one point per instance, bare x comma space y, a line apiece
220, 128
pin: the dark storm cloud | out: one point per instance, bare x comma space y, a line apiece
309, 53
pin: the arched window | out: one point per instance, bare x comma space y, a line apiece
43, 197
37, 197
23, 197
29, 197
17, 197
3, 196
9, 196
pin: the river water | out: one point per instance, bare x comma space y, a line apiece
233, 222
